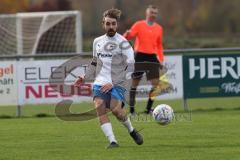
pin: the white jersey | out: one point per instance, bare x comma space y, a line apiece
113, 55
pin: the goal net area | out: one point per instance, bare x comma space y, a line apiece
41, 33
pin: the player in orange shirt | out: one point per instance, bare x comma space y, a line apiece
148, 53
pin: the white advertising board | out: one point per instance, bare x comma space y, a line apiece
34, 87
8, 83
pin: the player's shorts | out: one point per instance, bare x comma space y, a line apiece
146, 63
116, 92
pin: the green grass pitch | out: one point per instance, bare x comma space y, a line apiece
210, 132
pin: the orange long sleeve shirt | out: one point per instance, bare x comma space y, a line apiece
148, 38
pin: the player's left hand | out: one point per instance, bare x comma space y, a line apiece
106, 87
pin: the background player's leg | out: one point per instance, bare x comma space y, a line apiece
133, 89
106, 126
155, 83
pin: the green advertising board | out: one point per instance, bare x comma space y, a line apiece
211, 75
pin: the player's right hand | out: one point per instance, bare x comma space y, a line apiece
106, 87
79, 81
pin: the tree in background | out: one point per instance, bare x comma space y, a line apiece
180, 18
10, 6
50, 5
189, 16
218, 16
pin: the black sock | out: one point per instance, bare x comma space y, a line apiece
150, 101
132, 99
149, 104
132, 109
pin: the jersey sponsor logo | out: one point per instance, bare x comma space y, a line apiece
102, 55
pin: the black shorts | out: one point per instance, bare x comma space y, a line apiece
146, 63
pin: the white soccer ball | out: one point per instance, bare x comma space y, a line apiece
163, 114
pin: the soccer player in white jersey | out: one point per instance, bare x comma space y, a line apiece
112, 54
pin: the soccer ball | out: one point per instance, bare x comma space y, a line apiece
163, 114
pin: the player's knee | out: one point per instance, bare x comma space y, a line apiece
119, 113
135, 82
98, 103
115, 111
155, 82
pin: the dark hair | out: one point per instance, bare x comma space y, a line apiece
152, 7
112, 13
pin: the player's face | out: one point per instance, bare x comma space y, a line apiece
110, 26
151, 14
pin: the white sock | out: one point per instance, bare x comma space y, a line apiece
128, 125
107, 130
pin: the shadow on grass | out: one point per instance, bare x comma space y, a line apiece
192, 146
214, 109
45, 115
5, 116
39, 115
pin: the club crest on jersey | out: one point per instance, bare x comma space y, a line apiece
110, 46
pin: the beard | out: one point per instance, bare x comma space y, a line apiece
111, 32
152, 18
